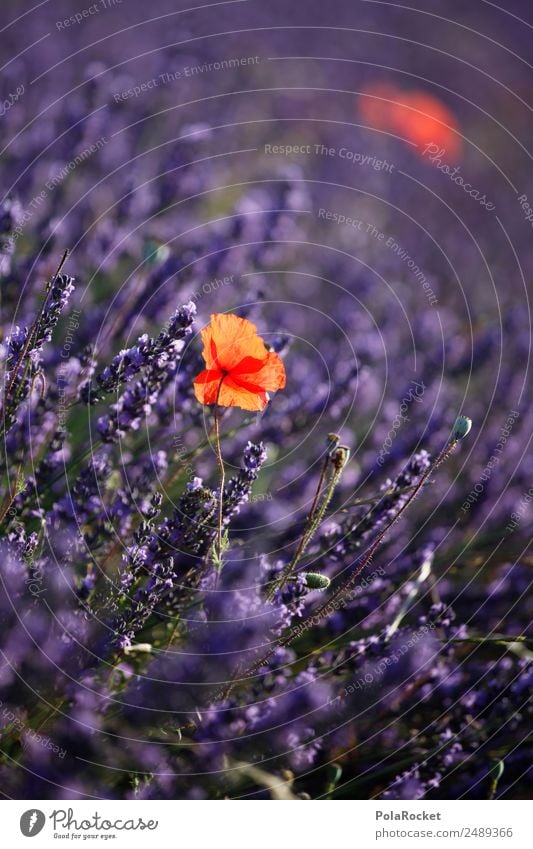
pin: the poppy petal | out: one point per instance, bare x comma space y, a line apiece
228, 340
232, 394
240, 370
268, 377
206, 386
209, 352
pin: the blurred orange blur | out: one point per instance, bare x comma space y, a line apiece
416, 116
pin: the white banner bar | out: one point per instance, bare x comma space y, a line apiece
358, 824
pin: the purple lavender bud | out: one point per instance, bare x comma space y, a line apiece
158, 361
239, 487
25, 346
55, 302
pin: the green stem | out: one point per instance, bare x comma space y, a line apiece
302, 544
423, 576
497, 639
330, 605
379, 496
337, 459
343, 589
222, 475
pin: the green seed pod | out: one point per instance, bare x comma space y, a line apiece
154, 252
316, 581
461, 428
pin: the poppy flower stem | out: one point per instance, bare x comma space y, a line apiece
222, 478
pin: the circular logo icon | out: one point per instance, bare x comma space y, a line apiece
32, 822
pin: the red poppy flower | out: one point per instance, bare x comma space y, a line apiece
240, 371
416, 115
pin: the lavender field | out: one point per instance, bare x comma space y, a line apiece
266, 491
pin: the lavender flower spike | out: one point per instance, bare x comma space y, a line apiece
161, 363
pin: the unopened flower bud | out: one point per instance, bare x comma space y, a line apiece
340, 456
461, 428
316, 581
